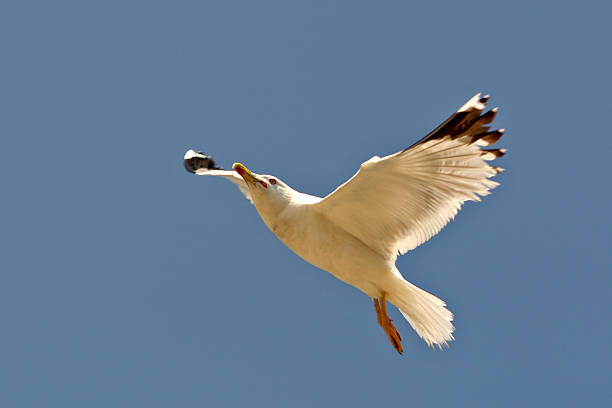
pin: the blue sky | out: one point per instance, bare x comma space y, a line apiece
127, 282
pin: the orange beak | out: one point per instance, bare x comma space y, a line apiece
247, 175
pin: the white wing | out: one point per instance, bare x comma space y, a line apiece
230, 175
395, 203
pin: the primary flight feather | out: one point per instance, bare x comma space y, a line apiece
390, 206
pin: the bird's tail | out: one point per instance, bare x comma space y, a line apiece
425, 312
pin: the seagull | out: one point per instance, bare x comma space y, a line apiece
390, 206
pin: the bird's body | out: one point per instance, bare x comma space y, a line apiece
391, 205
309, 233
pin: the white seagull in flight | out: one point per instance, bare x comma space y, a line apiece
390, 206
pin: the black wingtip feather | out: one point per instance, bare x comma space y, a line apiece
468, 121
496, 152
490, 138
487, 117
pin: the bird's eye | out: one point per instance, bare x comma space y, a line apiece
272, 181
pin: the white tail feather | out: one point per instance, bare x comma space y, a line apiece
425, 312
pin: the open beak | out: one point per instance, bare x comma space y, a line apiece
247, 175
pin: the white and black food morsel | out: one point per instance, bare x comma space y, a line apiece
198, 161
390, 206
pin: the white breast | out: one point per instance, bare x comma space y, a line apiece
325, 245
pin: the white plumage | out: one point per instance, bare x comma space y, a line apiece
390, 206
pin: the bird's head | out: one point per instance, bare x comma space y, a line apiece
267, 191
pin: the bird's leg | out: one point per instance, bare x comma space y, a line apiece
386, 323
378, 312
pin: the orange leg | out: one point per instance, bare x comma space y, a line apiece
387, 324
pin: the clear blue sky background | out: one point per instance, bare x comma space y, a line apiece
127, 282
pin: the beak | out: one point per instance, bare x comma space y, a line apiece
245, 173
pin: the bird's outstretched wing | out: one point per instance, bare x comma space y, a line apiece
397, 202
